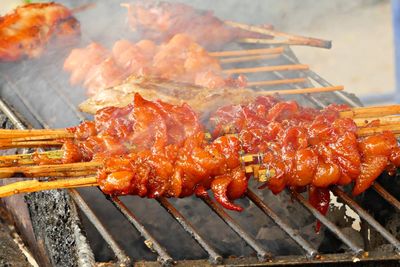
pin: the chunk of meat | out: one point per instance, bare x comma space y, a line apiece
26, 31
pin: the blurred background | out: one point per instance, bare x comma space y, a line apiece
362, 57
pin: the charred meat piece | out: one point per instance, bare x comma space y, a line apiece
26, 31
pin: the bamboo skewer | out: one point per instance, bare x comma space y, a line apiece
302, 90
273, 42
277, 82
267, 69
34, 185
59, 133
249, 52
37, 138
26, 159
247, 58
44, 170
6, 144
368, 112
307, 40
379, 129
386, 120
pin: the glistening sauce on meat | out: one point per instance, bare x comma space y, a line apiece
155, 149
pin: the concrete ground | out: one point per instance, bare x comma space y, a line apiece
362, 56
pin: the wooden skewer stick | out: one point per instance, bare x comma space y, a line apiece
267, 69
308, 40
386, 120
58, 174
249, 52
34, 185
302, 91
247, 58
277, 82
5, 144
26, 159
368, 112
44, 170
36, 138
273, 42
379, 129
12, 133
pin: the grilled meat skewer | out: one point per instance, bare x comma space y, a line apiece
156, 149
181, 59
202, 100
26, 31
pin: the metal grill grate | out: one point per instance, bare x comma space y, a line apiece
311, 255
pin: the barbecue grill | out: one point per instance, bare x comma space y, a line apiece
86, 228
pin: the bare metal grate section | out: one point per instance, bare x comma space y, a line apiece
122, 258
150, 241
386, 195
262, 254
214, 257
311, 255
367, 217
305, 245
331, 226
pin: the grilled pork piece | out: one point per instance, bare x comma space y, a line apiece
26, 31
160, 21
202, 100
181, 59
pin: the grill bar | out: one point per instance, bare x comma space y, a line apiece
313, 75
339, 94
262, 254
66, 100
293, 59
150, 241
331, 226
14, 119
123, 259
26, 103
367, 217
386, 195
293, 234
214, 257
